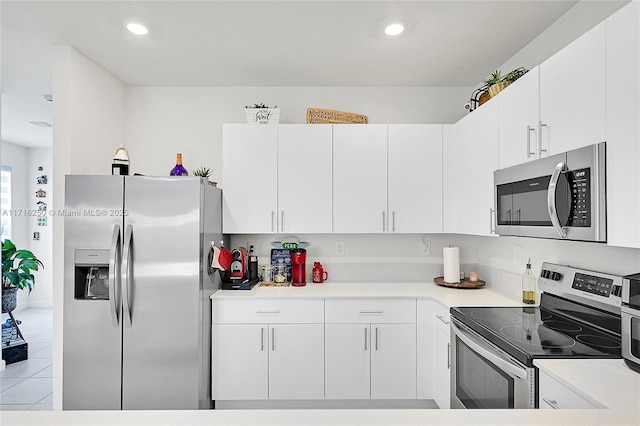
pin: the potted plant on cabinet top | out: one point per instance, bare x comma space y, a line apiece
17, 273
262, 114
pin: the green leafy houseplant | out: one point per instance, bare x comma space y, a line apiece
203, 172
17, 267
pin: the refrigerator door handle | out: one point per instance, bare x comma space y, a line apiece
114, 277
126, 265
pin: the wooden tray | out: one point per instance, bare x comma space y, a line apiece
330, 116
465, 283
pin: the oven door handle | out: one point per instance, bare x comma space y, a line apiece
495, 358
551, 199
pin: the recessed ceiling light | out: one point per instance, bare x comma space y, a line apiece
47, 98
394, 29
137, 28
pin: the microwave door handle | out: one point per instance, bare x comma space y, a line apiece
506, 366
551, 199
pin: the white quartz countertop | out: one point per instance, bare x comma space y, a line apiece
608, 382
445, 295
324, 417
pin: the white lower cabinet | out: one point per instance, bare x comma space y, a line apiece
347, 361
239, 362
370, 349
262, 361
282, 357
296, 361
555, 395
442, 383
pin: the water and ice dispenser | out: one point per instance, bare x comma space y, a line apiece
92, 274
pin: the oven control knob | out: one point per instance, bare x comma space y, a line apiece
545, 273
556, 276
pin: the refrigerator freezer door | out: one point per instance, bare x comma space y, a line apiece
92, 338
161, 291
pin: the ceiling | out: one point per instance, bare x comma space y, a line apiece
258, 43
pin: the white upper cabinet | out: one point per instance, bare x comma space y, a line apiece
277, 179
470, 157
250, 178
415, 178
519, 106
304, 178
572, 94
623, 126
360, 178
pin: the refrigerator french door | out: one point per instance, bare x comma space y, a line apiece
136, 297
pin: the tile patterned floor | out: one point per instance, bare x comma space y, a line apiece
28, 385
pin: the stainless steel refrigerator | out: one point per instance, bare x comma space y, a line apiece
137, 313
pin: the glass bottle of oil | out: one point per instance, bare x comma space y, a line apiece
528, 286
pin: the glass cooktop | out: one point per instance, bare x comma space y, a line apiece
532, 332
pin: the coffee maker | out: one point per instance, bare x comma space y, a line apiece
298, 273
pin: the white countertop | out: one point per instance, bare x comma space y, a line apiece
445, 295
608, 382
323, 417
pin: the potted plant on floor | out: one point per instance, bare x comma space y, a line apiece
17, 273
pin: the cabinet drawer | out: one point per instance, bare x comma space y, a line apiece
401, 311
442, 318
268, 311
554, 395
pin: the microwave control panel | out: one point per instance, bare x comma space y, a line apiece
580, 181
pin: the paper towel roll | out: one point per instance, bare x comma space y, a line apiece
451, 256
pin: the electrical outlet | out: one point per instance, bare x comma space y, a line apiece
425, 248
339, 248
517, 253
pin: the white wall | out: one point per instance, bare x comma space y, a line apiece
162, 121
88, 121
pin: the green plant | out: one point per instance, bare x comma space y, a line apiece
494, 78
17, 267
260, 105
515, 74
203, 172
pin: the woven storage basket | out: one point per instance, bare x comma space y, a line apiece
317, 115
497, 88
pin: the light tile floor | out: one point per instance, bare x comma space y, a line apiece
28, 385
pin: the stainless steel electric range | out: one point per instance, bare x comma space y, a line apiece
493, 348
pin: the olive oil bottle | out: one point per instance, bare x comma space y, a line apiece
529, 286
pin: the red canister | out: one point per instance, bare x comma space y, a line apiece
319, 274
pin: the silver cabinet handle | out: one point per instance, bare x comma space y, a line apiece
492, 229
372, 312
365, 339
384, 220
551, 199
273, 339
282, 221
448, 355
261, 339
441, 318
540, 150
264, 311
128, 276
376, 338
393, 221
115, 259
273, 216
509, 217
529, 130
552, 403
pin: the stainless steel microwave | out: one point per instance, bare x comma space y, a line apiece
562, 196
